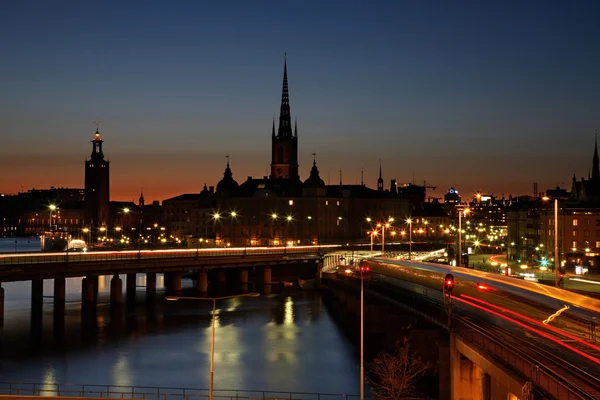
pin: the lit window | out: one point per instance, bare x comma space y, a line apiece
338, 202
291, 202
326, 202
575, 222
574, 244
574, 232
597, 244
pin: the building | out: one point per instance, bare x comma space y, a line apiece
282, 209
97, 187
588, 189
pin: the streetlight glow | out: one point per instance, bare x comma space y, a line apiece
212, 345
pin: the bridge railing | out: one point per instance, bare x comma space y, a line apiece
95, 256
156, 393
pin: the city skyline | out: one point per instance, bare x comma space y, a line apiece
510, 107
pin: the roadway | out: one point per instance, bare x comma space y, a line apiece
531, 312
25, 266
561, 349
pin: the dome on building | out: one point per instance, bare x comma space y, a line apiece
314, 180
204, 191
227, 185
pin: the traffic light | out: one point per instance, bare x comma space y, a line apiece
364, 271
448, 284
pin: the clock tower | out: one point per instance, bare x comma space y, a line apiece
284, 150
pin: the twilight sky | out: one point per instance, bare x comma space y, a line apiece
480, 95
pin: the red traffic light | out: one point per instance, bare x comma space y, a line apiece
448, 283
364, 270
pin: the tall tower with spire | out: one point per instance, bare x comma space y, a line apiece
595, 164
284, 149
97, 186
380, 180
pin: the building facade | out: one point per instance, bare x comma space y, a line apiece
281, 209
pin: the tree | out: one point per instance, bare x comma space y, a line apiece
392, 375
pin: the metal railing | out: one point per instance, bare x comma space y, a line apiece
96, 256
155, 393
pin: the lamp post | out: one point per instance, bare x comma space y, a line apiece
383, 226
362, 336
274, 218
233, 215
409, 238
216, 216
460, 209
556, 260
212, 342
52, 207
372, 233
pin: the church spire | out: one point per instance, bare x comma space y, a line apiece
285, 120
380, 180
273, 134
596, 163
295, 127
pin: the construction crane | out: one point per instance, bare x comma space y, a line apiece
426, 186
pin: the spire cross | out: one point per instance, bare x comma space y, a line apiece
97, 123
227, 157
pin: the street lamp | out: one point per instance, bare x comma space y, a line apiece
461, 209
212, 342
409, 238
52, 207
556, 260
383, 226
372, 234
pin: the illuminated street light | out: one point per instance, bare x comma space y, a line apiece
52, 207
556, 254
409, 238
212, 343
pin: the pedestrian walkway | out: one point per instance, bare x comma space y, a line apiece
32, 391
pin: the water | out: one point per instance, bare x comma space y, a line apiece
280, 342
19, 244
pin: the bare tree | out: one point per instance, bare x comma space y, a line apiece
392, 375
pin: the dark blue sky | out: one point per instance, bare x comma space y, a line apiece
476, 94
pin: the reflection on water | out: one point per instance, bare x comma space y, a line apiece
284, 342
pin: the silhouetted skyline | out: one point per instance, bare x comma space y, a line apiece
490, 96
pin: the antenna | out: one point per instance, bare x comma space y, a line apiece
362, 176
97, 123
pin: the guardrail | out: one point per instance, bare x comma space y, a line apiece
95, 256
156, 393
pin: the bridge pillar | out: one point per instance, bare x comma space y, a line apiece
131, 286
150, 286
243, 276
116, 290
444, 372
174, 282
60, 291
468, 380
201, 281
37, 292
87, 290
221, 276
167, 279
267, 275
95, 279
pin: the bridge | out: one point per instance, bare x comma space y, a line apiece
508, 338
216, 262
